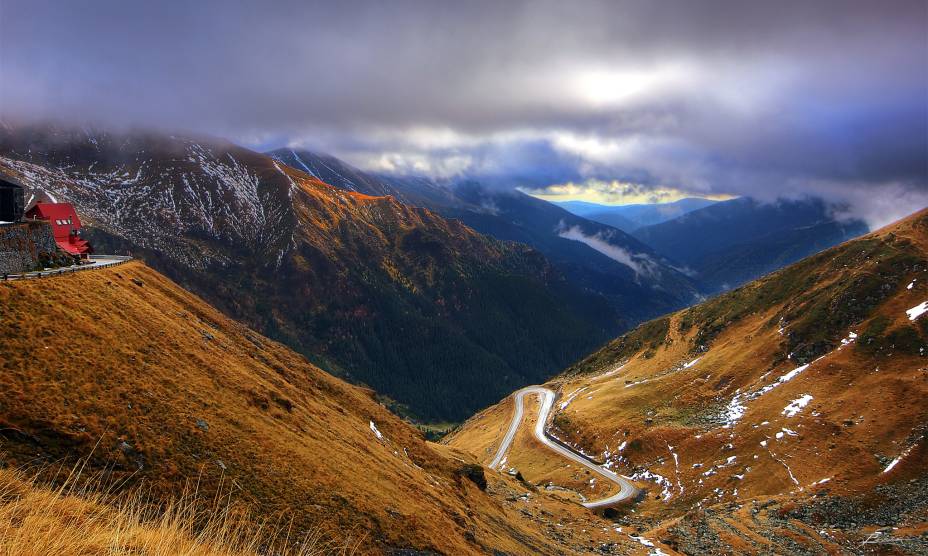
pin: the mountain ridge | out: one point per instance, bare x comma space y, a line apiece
612, 270
731, 242
390, 295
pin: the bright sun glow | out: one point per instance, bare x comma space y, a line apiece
615, 193
609, 86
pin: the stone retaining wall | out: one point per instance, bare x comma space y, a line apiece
28, 246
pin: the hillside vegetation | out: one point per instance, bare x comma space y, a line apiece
82, 517
787, 413
159, 391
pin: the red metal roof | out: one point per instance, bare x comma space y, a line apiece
54, 211
65, 225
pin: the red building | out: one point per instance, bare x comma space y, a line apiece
66, 226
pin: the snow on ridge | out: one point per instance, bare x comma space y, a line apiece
734, 411
736, 408
918, 310
691, 363
657, 376
630, 384
676, 467
286, 175
571, 397
792, 374
376, 431
612, 371
797, 405
654, 551
899, 458
661, 481
303, 164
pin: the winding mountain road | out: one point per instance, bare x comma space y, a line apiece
626, 488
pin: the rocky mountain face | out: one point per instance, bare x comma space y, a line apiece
425, 310
792, 406
632, 279
732, 242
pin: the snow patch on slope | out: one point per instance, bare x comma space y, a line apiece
917, 311
899, 458
797, 405
376, 431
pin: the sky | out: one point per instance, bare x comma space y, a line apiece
660, 99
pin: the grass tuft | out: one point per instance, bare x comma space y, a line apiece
80, 515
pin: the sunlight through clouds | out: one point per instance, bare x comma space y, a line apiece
614, 193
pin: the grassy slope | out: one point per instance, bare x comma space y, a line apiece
82, 517
421, 308
867, 404
124, 367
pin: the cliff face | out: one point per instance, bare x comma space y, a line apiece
28, 246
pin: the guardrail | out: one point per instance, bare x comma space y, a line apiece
120, 258
111, 261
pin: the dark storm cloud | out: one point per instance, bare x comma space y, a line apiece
729, 97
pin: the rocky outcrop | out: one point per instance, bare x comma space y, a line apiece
27, 246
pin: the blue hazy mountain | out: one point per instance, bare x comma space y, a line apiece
629, 218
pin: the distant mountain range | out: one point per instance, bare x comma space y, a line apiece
415, 287
629, 218
637, 282
692, 246
731, 242
425, 310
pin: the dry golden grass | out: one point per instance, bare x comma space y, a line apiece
80, 516
658, 414
151, 385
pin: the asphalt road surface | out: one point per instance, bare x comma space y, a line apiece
626, 488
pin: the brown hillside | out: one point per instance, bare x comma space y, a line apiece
422, 309
122, 366
804, 390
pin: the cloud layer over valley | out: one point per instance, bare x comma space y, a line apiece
718, 97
